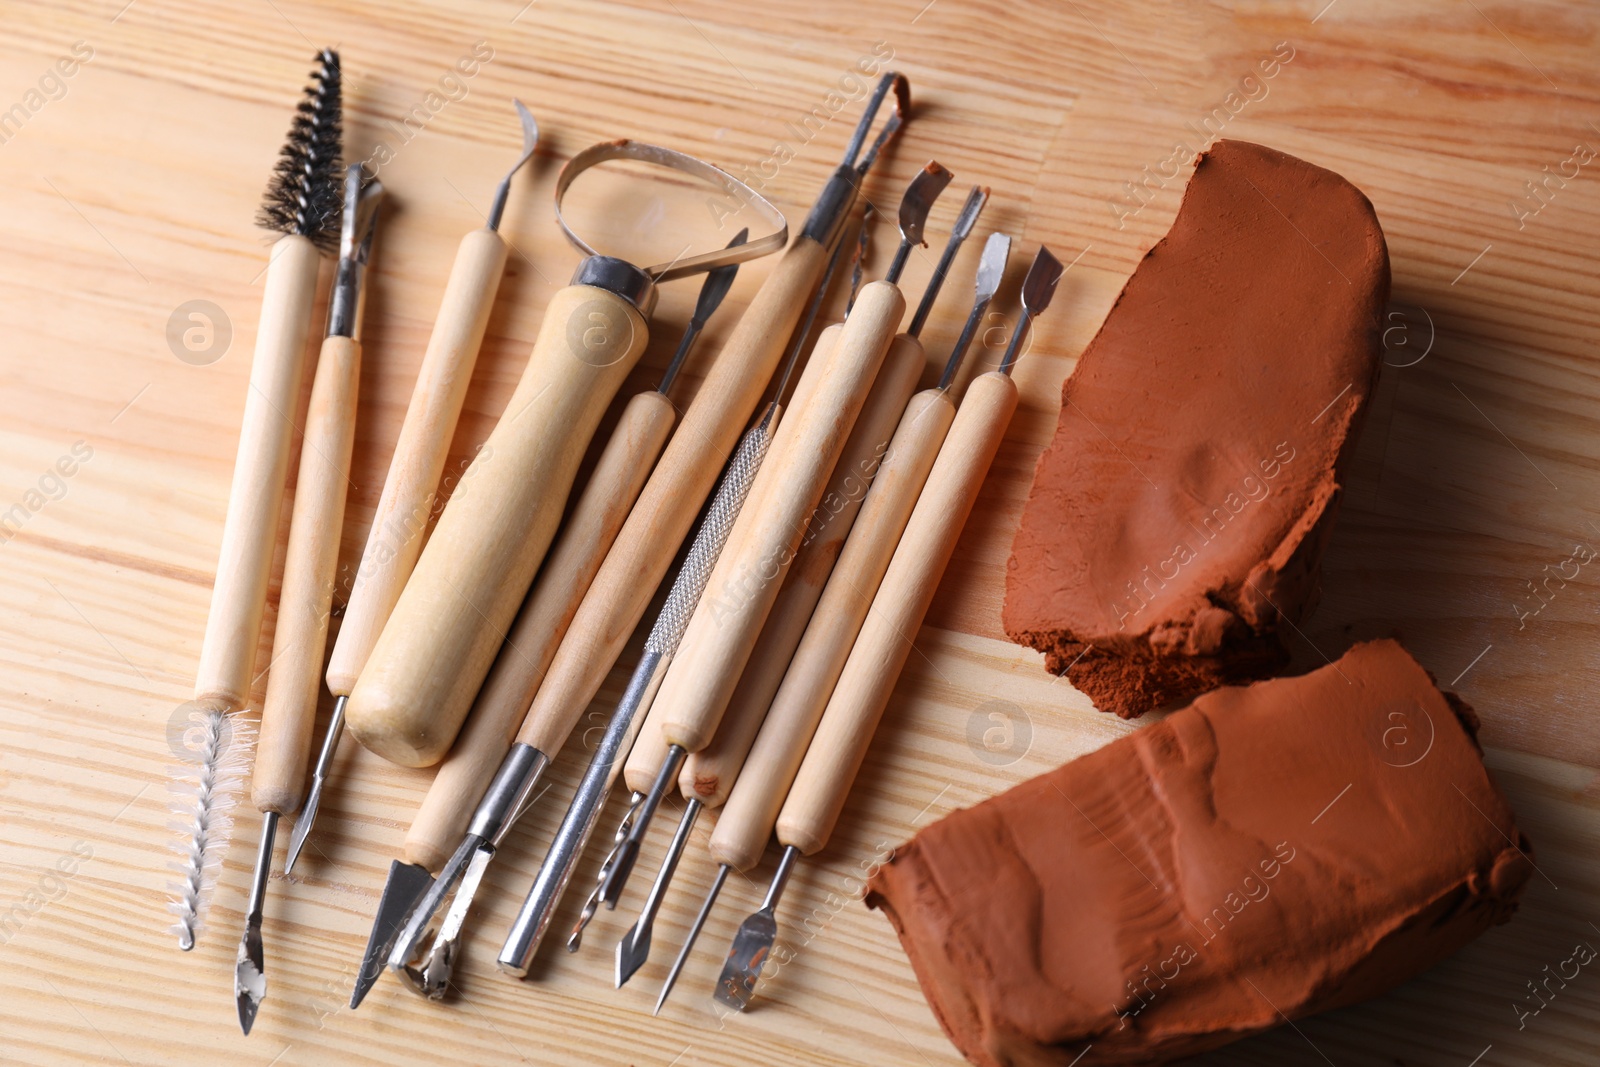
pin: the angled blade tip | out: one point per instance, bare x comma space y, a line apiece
530, 127
1040, 284
976, 199
992, 267
249, 980
632, 951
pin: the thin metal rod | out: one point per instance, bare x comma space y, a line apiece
530, 141
976, 199
319, 777
780, 877
694, 933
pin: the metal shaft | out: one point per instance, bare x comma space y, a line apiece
250, 971
634, 948
694, 933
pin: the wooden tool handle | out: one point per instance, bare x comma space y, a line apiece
400, 524
858, 701
645, 757
708, 775
730, 615
672, 498
434, 651
763, 782
283, 747
531, 645
250, 531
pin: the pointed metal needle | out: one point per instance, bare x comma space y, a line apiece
1038, 287
753, 943
991, 268
634, 948
694, 932
250, 971
968, 218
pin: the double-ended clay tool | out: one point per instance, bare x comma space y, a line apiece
720, 639
710, 430
302, 202
289, 713
773, 758
410, 489
856, 705
563, 579
478, 565
708, 775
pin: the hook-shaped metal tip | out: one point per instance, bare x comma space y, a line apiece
918, 200
361, 198
902, 111
530, 142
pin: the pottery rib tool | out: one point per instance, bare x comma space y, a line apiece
858, 700
430, 661
708, 775
588, 533
724, 404
302, 202
773, 757
622, 729
288, 715
409, 490
728, 623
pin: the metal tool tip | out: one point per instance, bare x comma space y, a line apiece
249, 978
530, 128
632, 951
918, 200
992, 267
977, 197
1040, 284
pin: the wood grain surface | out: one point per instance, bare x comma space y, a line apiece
135, 140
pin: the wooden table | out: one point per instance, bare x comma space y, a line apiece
129, 190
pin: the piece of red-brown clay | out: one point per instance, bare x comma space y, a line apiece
1291, 846
1179, 514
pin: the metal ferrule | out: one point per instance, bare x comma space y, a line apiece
522, 942
344, 303
828, 214
508, 793
621, 277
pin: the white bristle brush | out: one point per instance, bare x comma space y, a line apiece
202, 796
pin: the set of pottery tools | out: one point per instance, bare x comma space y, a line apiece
829, 494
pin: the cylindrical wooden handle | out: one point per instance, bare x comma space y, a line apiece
747, 822
531, 645
708, 775
672, 497
250, 531
746, 580
434, 651
645, 757
400, 524
283, 747
869, 676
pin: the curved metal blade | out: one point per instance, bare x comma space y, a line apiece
530, 141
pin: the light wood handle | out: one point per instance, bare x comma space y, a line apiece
739, 596
672, 498
645, 757
563, 579
869, 676
774, 759
250, 531
708, 775
452, 616
283, 746
400, 524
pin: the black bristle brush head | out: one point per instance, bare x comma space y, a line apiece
306, 193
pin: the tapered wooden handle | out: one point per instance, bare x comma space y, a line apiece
250, 531
672, 497
708, 775
869, 676
645, 757
739, 596
746, 824
400, 524
454, 612
563, 579
283, 747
